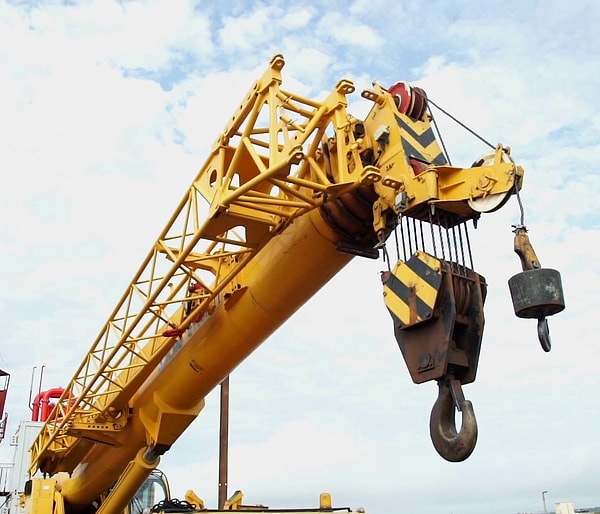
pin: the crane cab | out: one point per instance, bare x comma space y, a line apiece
153, 491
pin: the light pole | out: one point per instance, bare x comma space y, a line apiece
544, 501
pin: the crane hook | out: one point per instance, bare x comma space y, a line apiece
452, 445
544, 334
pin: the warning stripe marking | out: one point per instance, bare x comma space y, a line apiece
411, 290
421, 145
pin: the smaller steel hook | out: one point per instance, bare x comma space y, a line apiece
452, 445
544, 334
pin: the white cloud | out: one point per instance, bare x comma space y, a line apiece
298, 18
247, 31
349, 32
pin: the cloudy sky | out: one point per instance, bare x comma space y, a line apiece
107, 111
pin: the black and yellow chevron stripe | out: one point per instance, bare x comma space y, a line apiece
418, 142
411, 290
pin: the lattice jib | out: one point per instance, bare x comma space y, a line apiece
263, 171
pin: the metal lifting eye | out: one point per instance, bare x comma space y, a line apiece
452, 445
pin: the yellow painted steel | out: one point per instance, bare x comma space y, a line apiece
215, 348
244, 249
252, 198
42, 496
193, 499
400, 304
130, 480
448, 187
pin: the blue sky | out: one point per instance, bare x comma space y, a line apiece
107, 111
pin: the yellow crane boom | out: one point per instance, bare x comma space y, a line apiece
291, 191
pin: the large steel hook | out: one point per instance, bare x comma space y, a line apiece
452, 445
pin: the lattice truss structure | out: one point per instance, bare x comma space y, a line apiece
264, 170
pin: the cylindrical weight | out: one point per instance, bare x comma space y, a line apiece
537, 293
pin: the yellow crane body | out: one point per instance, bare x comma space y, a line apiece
292, 190
173, 396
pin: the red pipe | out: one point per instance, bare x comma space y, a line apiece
41, 404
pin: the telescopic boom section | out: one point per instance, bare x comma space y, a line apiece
257, 234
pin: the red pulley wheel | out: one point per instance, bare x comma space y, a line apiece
403, 96
411, 101
419, 103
